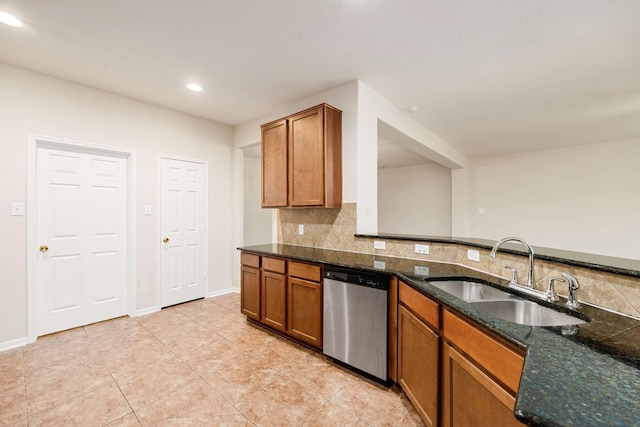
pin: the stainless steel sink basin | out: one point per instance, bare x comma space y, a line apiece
526, 312
471, 291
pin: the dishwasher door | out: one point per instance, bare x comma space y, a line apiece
355, 326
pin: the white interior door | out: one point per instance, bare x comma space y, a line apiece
183, 228
82, 233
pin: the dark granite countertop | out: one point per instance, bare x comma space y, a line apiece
588, 379
625, 266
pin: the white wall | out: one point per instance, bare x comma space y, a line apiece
415, 200
34, 103
257, 221
584, 198
372, 108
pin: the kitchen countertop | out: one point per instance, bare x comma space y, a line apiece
591, 378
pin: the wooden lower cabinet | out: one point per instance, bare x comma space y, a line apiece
480, 376
473, 398
274, 300
284, 295
304, 311
250, 292
418, 367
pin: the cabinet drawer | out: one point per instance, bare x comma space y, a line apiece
421, 305
305, 271
250, 260
501, 361
273, 264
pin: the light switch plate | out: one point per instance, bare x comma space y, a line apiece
17, 209
147, 209
473, 255
379, 244
422, 249
300, 228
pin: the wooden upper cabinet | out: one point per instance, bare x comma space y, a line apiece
274, 164
302, 159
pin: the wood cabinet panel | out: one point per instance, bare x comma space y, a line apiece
306, 159
392, 332
471, 397
503, 362
276, 265
274, 300
250, 292
250, 260
418, 366
274, 155
305, 271
304, 311
420, 304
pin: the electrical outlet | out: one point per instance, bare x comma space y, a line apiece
473, 255
379, 244
422, 249
379, 265
421, 271
300, 228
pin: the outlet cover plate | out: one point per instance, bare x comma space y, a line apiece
473, 255
300, 228
379, 244
422, 249
379, 265
421, 271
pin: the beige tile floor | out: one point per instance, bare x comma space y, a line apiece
199, 363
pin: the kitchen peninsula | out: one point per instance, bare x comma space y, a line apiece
589, 378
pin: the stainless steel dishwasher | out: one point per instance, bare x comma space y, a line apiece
355, 319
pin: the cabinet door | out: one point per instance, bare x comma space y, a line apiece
418, 353
471, 397
304, 320
274, 164
306, 158
274, 300
250, 292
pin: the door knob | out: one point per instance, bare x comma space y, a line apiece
44, 248
165, 240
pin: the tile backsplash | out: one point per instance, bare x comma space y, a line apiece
336, 228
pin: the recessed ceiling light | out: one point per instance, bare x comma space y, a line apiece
8, 19
413, 108
194, 87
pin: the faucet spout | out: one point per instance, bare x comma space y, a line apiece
494, 250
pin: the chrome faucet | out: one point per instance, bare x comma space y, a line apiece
573, 287
530, 279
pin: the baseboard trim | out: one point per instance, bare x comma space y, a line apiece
145, 311
10, 345
223, 292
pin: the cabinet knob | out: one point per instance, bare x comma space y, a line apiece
165, 240
44, 248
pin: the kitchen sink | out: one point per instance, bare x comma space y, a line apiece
471, 291
526, 312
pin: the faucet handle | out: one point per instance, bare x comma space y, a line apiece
551, 294
514, 274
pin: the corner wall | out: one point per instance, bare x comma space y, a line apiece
34, 103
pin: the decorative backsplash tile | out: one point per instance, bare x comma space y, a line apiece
336, 229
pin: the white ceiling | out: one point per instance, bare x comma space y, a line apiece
488, 76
